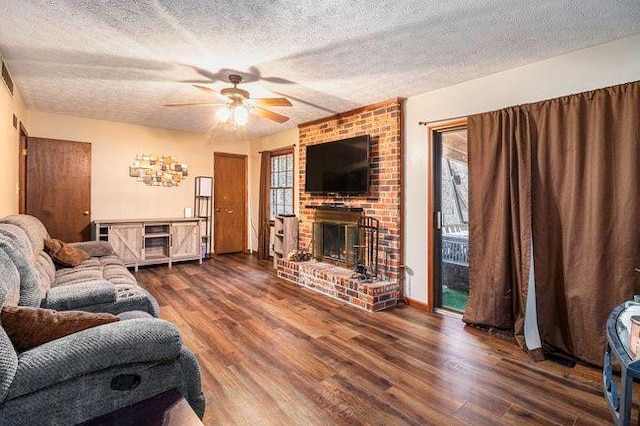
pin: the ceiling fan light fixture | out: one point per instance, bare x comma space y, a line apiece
238, 104
223, 113
240, 115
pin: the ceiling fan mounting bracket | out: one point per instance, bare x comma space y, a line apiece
233, 93
235, 79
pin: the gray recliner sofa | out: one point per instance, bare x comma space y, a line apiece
91, 372
100, 284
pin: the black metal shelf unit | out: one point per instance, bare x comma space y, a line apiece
203, 208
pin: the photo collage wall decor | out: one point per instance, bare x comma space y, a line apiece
158, 170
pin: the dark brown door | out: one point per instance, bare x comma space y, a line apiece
58, 187
229, 203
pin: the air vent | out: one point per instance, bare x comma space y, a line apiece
7, 78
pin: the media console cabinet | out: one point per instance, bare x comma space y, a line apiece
151, 241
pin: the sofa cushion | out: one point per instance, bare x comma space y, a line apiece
128, 298
31, 291
63, 253
35, 230
30, 327
134, 315
18, 236
110, 268
9, 295
80, 295
45, 269
95, 248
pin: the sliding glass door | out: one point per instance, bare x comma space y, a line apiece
451, 218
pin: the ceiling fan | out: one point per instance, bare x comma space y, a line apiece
238, 103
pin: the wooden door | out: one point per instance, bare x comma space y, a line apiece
58, 187
229, 203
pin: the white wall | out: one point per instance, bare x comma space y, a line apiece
9, 143
115, 195
268, 143
599, 66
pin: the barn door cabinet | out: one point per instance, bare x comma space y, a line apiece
151, 241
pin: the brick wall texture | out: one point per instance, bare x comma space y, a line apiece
383, 122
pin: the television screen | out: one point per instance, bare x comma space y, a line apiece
340, 167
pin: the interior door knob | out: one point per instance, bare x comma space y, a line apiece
217, 210
86, 212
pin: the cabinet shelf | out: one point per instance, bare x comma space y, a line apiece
156, 257
285, 236
158, 235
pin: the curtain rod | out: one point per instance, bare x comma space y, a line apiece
278, 149
426, 123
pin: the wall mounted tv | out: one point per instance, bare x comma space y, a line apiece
339, 167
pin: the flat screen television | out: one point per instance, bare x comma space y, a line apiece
338, 167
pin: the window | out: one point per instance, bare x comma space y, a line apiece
281, 183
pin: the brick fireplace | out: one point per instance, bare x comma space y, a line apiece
383, 123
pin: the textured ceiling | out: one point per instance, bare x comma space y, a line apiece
121, 60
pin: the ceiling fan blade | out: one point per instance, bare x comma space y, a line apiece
278, 80
205, 89
210, 91
272, 102
191, 104
265, 113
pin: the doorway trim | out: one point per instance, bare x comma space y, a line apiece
431, 211
22, 169
245, 222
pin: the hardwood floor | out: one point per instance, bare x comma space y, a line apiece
272, 353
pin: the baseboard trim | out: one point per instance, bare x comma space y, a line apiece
418, 304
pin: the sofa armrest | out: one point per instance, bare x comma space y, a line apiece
74, 296
95, 248
119, 343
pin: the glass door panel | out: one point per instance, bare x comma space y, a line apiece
451, 202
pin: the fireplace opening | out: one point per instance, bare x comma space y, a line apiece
336, 237
332, 238
339, 243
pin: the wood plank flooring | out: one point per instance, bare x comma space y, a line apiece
272, 353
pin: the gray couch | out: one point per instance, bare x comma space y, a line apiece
95, 371
92, 372
100, 284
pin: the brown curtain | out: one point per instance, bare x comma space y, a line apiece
500, 218
584, 164
264, 228
586, 205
